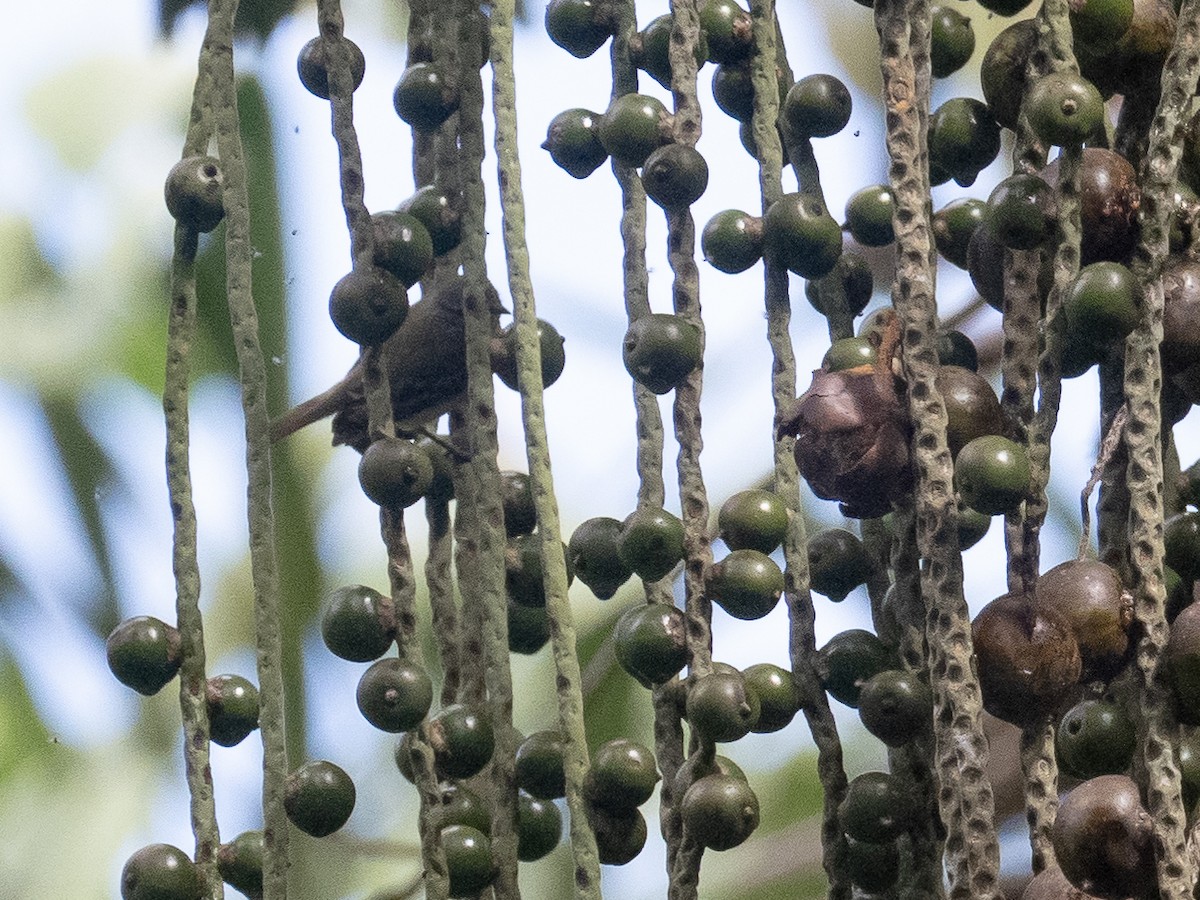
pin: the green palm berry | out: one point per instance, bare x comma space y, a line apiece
896, 706
1182, 543
425, 97
593, 555
528, 628
985, 265
358, 623
721, 707
553, 354
403, 246
319, 797
394, 694
732, 241
1021, 211
1099, 24
661, 350
240, 863
1182, 657
394, 472
469, 861
848, 287
719, 811
872, 867
622, 775
232, 709
653, 50
1002, 71
1004, 7
651, 642
650, 542
963, 139
848, 661
837, 563
817, 106
875, 809
578, 26
368, 305
439, 213
313, 66
953, 226
462, 741
161, 872
633, 127
869, 215
620, 833
194, 191
733, 90
746, 136
1103, 303
1095, 737
952, 41
972, 407
747, 584
516, 494
800, 234
753, 520
462, 806
992, 474
675, 176
403, 756
956, 349
727, 29
144, 653
523, 570
539, 765
779, 696
1064, 109
573, 141
972, 527
849, 353
1188, 751
539, 827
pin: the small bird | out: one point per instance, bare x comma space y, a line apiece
426, 366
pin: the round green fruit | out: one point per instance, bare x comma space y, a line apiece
747, 584
817, 106
651, 642
194, 193
992, 474
622, 775
312, 65
753, 520
394, 694
144, 653
469, 861
424, 97
651, 542
719, 811
240, 863
368, 305
675, 176
161, 872
593, 554
779, 696
539, 765
722, 707
319, 798
1095, 737
358, 623
232, 709
732, 241
633, 127
875, 808
403, 246
801, 235
896, 706
848, 661
837, 563
394, 472
539, 827
660, 350
1064, 109
869, 214
952, 41
463, 741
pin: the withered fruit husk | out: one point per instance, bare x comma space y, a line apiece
1028, 658
852, 435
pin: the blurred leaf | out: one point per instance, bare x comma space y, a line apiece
791, 792
22, 734
25, 271
88, 471
255, 17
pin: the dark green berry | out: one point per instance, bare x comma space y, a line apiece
963, 139
539, 827
161, 872
747, 584
837, 563
462, 806
1102, 304
992, 474
592, 553
633, 127
653, 56
394, 694
194, 192
240, 863
359, 623
849, 353
1100, 24
872, 867
523, 570
727, 29
848, 661
550, 344
651, 642
232, 709
516, 493
462, 741
732, 241
779, 696
800, 234
312, 65
875, 808
651, 542
896, 706
403, 246
869, 215
319, 797
469, 861
578, 26
424, 97
817, 106
439, 213
528, 628
368, 305
620, 833
847, 288
1004, 7
675, 176
539, 765
1021, 211
394, 472
972, 407
144, 653
956, 349
753, 520
952, 41
622, 775
1095, 737
719, 811
953, 226
573, 141
1064, 109
721, 707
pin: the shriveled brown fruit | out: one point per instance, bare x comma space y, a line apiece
1109, 200
1104, 839
1052, 884
852, 435
1089, 595
1028, 658
1181, 315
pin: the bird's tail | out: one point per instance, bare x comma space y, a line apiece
312, 410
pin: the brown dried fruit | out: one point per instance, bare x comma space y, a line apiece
1109, 199
1090, 597
1104, 839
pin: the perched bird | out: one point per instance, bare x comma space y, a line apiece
426, 366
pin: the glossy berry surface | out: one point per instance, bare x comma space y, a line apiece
675, 176
896, 706
779, 696
469, 860
721, 706
620, 833
650, 641
550, 343
194, 192
849, 285
1095, 737
953, 226
963, 139
462, 741
753, 520
523, 570
424, 97
1003, 68
440, 213
240, 863
403, 246
633, 127
622, 775
573, 142
653, 56
232, 709
394, 694
578, 26
593, 554
660, 350
539, 827
1064, 109
1109, 199
1099, 24
848, 660
869, 215
161, 872
817, 106
358, 623
972, 407
849, 353
727, 30
837, 563
1104, 838
528, 628
875, 808
368, 305
319, 798
1021, 211
394, 472
992, 474
872, 867
520, 516
747, 584
719, 811
144, 653
312, 65
952, 40
732, 241
1103, 303
956, 349
539, 765
800, 234
462, 806
651, 542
